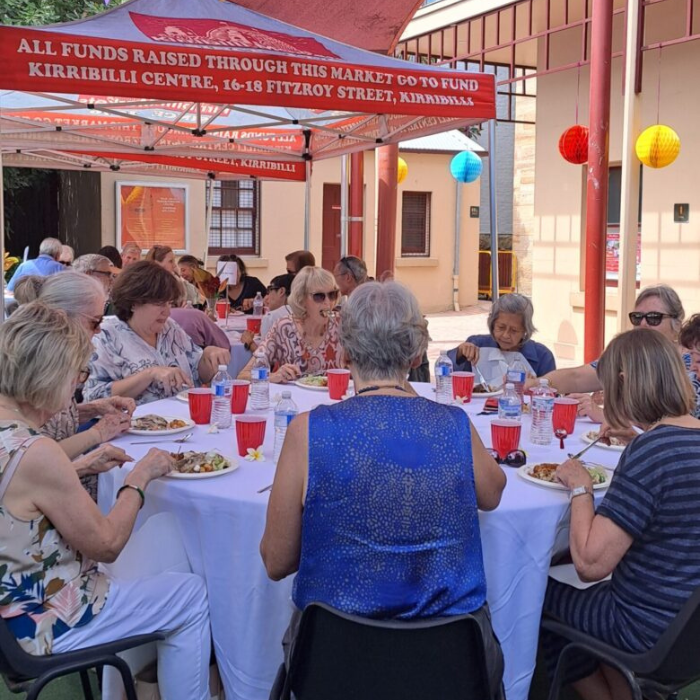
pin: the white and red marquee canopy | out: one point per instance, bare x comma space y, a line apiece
210, 87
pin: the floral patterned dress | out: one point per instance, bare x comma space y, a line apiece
46, 588
285, 344
120, 353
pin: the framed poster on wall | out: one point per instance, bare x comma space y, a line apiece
151, 214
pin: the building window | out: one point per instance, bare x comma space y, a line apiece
415, 224
612, 242
235, 218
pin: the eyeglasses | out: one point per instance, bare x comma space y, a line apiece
320, 297
83, 375
653, 318
102, 272
516, 458
66, 263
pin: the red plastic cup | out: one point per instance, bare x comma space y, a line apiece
338, 381
463, 385
239, 397
254, 324
200, 405
221, 308
250, 433
564, 416
505, 436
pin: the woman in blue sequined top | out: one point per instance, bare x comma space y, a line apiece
375, 500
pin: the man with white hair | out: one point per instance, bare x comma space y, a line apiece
99, 267
46, 264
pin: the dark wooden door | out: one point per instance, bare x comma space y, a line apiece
330, 250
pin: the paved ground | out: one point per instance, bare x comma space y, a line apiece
450, 328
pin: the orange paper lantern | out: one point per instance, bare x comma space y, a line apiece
573, 144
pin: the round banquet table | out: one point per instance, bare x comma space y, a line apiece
222, 521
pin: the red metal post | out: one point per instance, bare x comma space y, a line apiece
597, 185
387, 170
356, 223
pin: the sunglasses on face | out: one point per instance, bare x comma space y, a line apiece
83, 375
65, 263
320, 297
95, 323
653, 318
103, 273
516, 458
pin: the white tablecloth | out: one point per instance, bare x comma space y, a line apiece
222, 521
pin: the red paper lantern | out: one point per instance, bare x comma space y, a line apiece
573, 144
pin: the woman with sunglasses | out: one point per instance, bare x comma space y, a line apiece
659, 308
307, 341
375, 501
82, 298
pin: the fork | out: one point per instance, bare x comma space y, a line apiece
184, 438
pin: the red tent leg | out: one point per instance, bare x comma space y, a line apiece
387, 169
597, 185
357, 181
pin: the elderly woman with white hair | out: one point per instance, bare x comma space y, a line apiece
375, 501
306, 341
511, 330
83, 298
53, 535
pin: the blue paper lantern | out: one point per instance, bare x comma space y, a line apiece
466, 167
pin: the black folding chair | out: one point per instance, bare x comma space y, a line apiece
26, 673
671, 664
344, 657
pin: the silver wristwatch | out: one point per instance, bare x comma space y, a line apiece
579, 491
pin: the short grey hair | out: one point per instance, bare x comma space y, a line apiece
669, 298
130, 245
41, 352
73, 292
305, 279
90, 262
51, 246
382, 330
356, 267
514, 304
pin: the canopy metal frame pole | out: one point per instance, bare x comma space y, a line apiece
307, 206
207, 217
458, 225
493, 215
2, 240
343, 206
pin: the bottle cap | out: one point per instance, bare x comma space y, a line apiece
222, 368
544, 382
286, 394
510, 386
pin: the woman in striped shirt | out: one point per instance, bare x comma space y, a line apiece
646, 531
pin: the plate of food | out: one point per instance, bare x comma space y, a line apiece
484, 391
543, 475
615, 444
151, 424
316, 382
201, 465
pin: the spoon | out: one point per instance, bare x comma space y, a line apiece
562, 435
184, 438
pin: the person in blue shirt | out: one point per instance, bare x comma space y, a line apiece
510, 329
46, 264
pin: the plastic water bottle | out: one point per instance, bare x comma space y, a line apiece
542, 408
443, 379
260, 382
258, 305
285, 410
516, 375
509, 405
222, 387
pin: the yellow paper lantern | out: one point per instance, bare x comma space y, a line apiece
658, 146
401, 171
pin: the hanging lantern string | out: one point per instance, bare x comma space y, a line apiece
578, 91
658, 89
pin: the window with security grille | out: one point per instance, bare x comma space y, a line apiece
235, 218
415, 224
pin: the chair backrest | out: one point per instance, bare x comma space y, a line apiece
14, 661
345, 657
675, 656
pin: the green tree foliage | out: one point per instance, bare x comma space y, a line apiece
37, 12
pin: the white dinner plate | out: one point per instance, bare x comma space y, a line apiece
525, 473
586, 437
486, 394
205, 475
182, 396
170, 431
301, 384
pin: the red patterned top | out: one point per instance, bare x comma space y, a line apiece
285, 344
